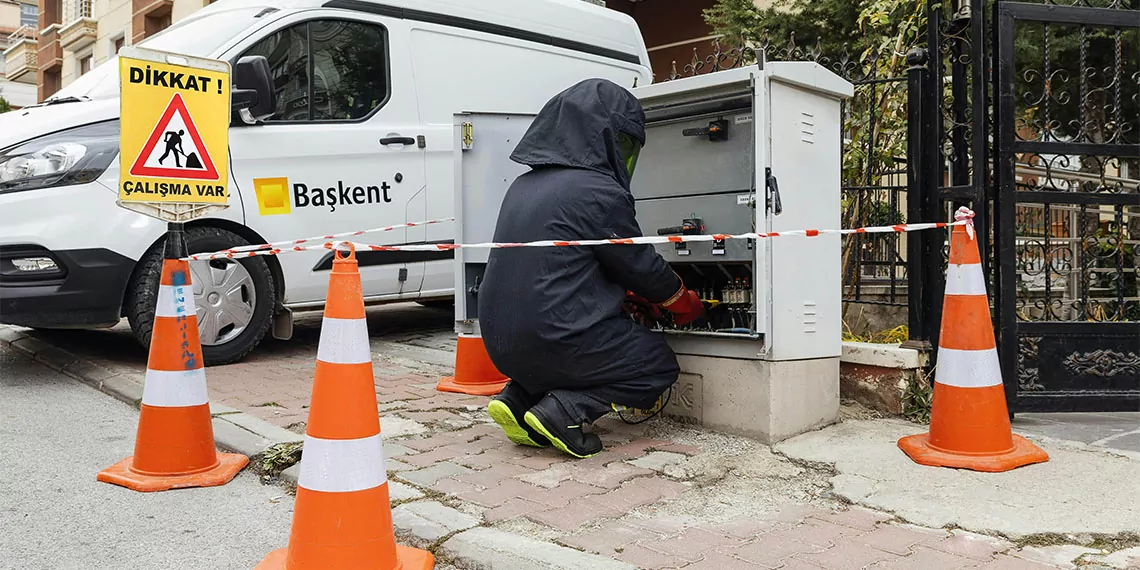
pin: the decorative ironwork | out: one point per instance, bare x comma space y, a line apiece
1067, 169
1103, 363
1041, 137
1027, 374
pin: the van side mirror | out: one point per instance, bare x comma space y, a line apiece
252, 97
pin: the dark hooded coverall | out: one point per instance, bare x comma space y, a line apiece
551, 317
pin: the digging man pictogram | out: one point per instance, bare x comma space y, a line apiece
173, 142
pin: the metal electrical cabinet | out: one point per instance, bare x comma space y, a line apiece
745, 150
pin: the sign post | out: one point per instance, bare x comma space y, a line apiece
173, 165
174, 140
174, 137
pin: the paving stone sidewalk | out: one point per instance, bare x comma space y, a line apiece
662, 495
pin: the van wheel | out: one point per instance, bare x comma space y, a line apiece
234, 298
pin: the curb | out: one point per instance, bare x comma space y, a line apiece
469, 545
234, 431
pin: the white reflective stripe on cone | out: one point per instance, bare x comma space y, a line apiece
968, 368
344, 341
342, 465
175, 388
175, 301
466, 335
965, 279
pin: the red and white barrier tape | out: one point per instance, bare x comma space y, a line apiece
289, 245
963, 217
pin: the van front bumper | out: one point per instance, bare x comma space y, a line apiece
77, 288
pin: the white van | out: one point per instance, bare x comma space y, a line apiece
359, 136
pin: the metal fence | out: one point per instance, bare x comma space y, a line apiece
22, 33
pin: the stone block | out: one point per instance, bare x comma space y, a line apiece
88, 371
232, 437
55, 358
127, 388
878, 375
657, 460
217, 409
262, 428
30, 345
971, 545
290, 475
429, 521
398, 491
429, 476
395, 426
766, 400
9, 335
492, 549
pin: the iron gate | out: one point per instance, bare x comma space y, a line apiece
1029, 113
1067, 202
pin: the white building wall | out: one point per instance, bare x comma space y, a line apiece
114, 17
18, 94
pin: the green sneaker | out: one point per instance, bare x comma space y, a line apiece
549, 419
518, 432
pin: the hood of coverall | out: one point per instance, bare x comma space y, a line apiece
580, 128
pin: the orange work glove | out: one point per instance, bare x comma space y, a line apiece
686, 307
638, 304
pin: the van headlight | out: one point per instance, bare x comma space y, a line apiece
66, 158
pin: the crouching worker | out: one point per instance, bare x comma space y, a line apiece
551, 317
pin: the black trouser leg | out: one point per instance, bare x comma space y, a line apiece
589, 404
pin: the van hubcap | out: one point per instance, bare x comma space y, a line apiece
224, 296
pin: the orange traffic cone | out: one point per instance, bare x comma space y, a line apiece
174, 447
342, 517
475, 374
969, 421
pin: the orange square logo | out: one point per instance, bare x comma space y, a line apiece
272, 196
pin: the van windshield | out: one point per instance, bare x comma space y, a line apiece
200, 36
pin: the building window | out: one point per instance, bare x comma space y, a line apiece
117, 44
327, 70
156, 23
85, 63
51, 83
29, 15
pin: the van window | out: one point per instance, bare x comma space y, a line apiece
288, 55
327, 70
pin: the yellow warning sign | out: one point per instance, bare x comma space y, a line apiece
175, 121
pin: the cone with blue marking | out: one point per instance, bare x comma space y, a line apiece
174, 446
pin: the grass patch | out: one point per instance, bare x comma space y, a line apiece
917, 399
1105, 542
279, 457
896, 335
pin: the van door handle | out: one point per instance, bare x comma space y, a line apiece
397, 140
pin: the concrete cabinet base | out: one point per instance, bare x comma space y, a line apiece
768, 401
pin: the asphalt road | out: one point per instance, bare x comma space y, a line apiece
56, 434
